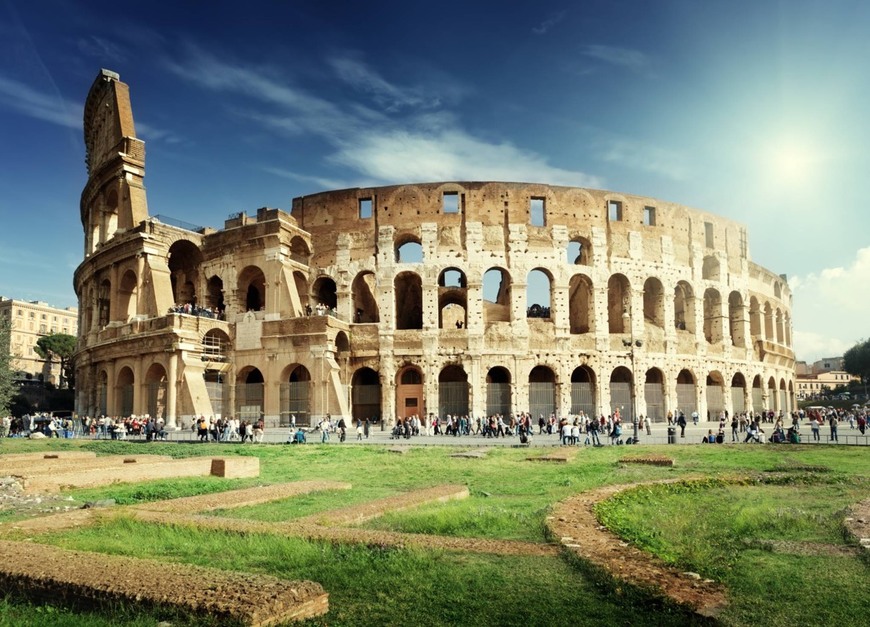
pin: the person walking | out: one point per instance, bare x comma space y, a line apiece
681, 421
833, 422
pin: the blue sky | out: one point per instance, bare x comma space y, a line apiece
755, 111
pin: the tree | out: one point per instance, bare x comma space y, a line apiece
7, 386
856, 361
60, 346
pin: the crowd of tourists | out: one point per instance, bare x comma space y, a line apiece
195, 310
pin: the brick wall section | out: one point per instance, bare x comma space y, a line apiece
53, 466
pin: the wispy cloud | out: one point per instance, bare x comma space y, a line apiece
320, 182
34, 104
424, 143
641, 156
550, 22
627, 58
830, 308
102, 48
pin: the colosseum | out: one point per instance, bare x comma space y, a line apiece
438, 298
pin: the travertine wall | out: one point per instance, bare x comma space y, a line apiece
452, 297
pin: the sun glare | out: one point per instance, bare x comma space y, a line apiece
791, 162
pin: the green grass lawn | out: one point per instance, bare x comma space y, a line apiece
712, 528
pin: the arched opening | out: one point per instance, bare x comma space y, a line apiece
654, 302
538, 293
580, 309
299, 250
409, 251
342, 342
409, 393
128, 296
579, 252
784, 405
496, 296
757, 394
768, 323
621, 398
408, 289
684, 307
618, 304
124, 392
215, 387
583, 391
452, 299
452, 391
738, 394
712, 316
104, 302
215, 296
216, 346
710, 269
252, 288
296, 396
654, 395
686, 398
325, 292
542, 391
365, 305
184, 261
366, 395
754, 318
250, 389
498, 392
736, 319
715, 395
771, 395
155, 391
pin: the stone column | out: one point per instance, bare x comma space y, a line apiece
171, 392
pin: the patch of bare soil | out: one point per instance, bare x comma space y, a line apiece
858, 523
560, 456
803, 548
651, 460
575, 523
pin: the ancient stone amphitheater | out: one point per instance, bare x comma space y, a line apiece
437, 298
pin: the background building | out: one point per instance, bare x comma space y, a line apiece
437, 298
30, 320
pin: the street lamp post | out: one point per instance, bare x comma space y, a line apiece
631, 344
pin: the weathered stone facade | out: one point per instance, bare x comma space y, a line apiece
454, 297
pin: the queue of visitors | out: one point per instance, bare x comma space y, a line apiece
195, 310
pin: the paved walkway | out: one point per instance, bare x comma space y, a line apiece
694, 434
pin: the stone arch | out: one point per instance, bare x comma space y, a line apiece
128, 296
499, 397
342, 342
654, 302
780, 333
215, 295
452, 299
736, 318
542, 391
124, 392
299, 250
156, 387
366, 395
710, 269
104, 302
687, 401
784, 405
539, 288
754, 318
453, 391
618, 304
684, 307
768, 322
621, 395
757, 393
250, 389
408, 249
185, 259
252, 288
496, 295
410, 400
771, 394
583, 391
715, 394
712, 316
408, 289
326, 292
654, 394
365, 305
216, 346
300, 281
296, 390
580, 304
579, 251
